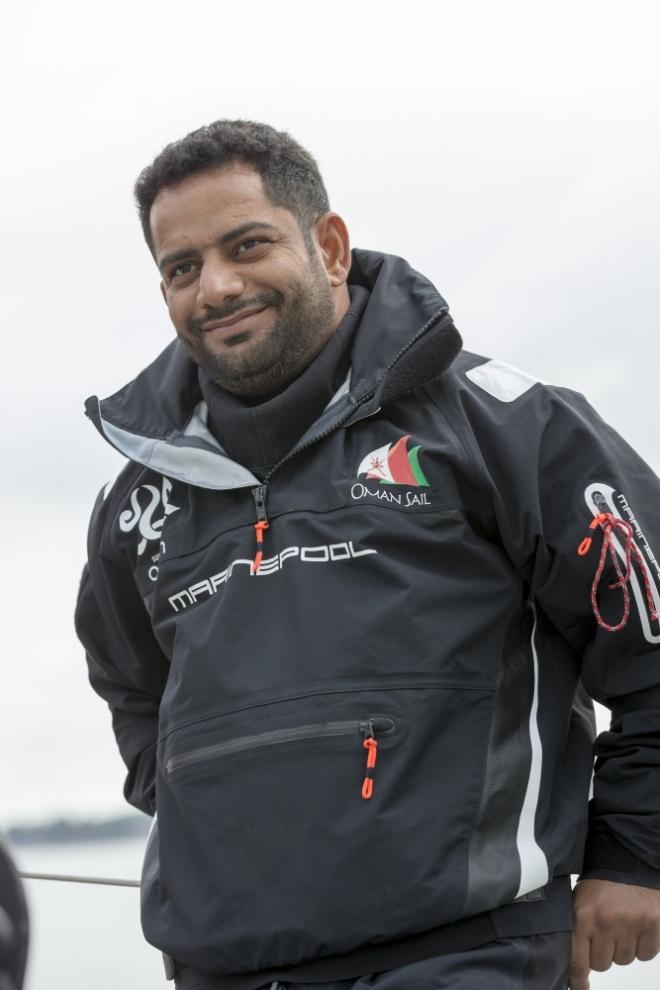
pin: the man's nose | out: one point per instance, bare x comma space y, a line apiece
219, 280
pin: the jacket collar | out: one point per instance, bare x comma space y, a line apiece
405, 338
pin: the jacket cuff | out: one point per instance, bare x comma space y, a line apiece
606, 859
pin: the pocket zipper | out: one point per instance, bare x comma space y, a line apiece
381, 725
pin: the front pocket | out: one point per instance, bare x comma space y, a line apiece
370, 729
311, 826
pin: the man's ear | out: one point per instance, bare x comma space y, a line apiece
334, 245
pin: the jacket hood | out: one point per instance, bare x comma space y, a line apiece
405, 338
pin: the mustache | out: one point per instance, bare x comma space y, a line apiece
260, 301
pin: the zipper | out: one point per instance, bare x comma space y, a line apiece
259, 493
600, 502
368, 728
603, 514
262, 524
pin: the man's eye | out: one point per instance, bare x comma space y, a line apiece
183, 269
248, 245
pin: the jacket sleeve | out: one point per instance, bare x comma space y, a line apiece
126, 665
554, 465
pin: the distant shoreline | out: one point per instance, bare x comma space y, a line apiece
65, 830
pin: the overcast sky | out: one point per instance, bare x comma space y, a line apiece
508, 150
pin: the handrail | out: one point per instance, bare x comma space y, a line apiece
108, 881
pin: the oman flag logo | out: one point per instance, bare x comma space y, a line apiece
394, 464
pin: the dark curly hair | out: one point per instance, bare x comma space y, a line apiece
289, 173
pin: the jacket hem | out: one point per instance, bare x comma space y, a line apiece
552, 913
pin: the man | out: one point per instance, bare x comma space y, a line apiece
336, 606
14, 925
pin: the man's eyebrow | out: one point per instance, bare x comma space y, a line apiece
245, 228
231, 235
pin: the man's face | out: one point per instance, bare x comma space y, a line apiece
251, 302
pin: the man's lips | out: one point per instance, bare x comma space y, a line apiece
244, 314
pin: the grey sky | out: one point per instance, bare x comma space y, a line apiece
509, 151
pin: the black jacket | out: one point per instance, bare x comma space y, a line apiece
419, 588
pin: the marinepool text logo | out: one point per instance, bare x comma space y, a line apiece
389, 468
324, 554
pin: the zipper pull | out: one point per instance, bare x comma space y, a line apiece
371, 745
259, 495
600, 520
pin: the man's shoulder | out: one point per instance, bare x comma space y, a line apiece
502, 408
120, 500
499, 380
492, 387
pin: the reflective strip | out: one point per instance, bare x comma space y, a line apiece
534, 870
192, 464
502, 381
343, 390
110, 484
154, 821
493, 858
197, 426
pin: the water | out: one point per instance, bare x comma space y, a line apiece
86, 936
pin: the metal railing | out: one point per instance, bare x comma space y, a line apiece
70, 878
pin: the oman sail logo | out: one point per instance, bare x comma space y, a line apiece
394, 464
387, 468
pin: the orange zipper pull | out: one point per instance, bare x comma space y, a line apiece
259, 530
585, 546
260, 526
371, 745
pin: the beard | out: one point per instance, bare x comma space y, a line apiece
304, 321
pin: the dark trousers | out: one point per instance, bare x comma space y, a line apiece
533, 962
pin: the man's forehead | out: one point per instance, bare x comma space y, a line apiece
211, 203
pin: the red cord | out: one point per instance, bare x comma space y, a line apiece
609, 524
